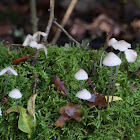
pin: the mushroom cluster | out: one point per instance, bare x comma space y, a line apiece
34, 41
113, 60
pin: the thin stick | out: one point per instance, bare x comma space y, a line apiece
114, 83
109, 85
5, 87
64, 20
34, 59
52, 2
67, 34
34, 19
35, 83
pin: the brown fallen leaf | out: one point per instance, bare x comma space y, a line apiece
59, 85
69, 112
19, 60
100, 101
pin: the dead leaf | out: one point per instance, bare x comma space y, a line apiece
100, 101
19, 60
69, 112
59, 85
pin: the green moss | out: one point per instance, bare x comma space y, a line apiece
117, 122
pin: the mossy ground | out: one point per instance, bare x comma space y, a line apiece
119, 121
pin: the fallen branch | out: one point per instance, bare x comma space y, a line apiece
67, 34
52, 2
64, 20
34, 19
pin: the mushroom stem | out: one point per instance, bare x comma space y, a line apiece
5, 87
17, 105
80, 84
114, 83
109, 84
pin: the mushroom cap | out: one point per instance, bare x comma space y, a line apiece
130, 55
15, 93
112, 41
121, 45
84, 94
112, 60
10, 70
27, 40
81, 75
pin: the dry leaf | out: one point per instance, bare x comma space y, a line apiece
67, 112
100, 101
59, 85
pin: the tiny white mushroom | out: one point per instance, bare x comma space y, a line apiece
121, 45
15, 93
130, 55
84, 94
112, 60
81, 75
9, 70
112, 41
27, 40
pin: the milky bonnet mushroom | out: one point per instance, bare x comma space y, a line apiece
112, 60
81, 75
130, 55
111, 41
15, 94
84, 94
10, 71
121, 45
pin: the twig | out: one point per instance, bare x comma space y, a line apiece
35, 83
34, 19
67, 34
52, 2
64, 20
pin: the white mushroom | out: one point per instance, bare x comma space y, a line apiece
84, 94
112, 60
9, 70
81, 75
130, 55
112, 41
121, 45
15, 93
